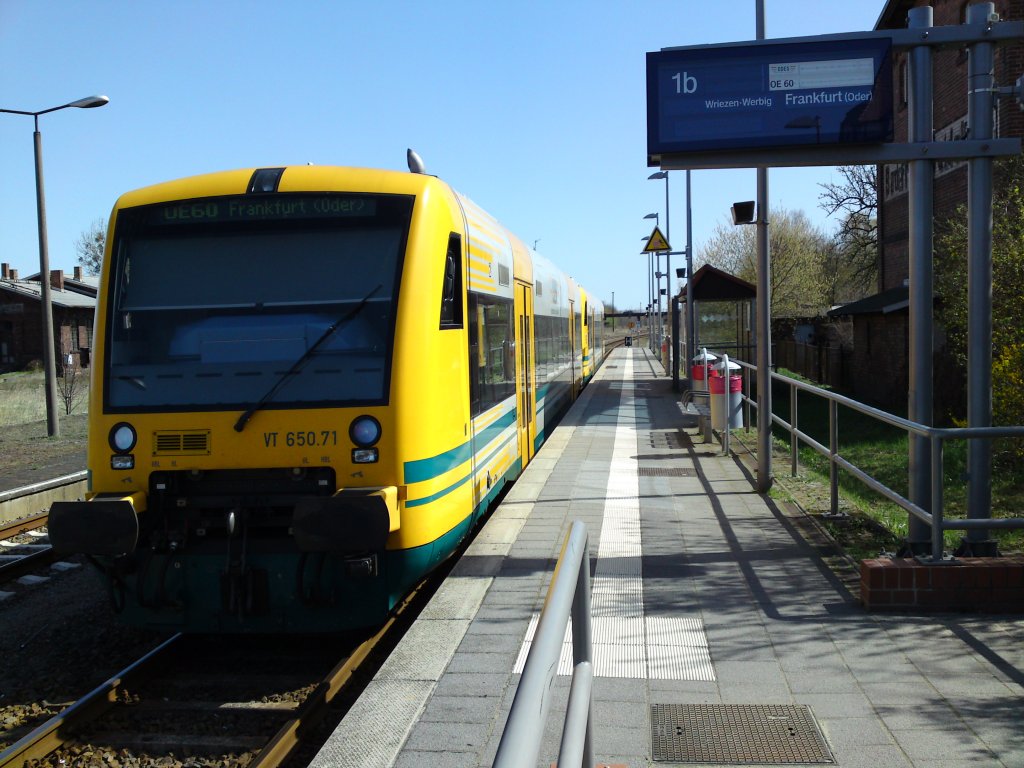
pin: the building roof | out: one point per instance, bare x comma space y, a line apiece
31, 290
883, 303
713, 284
894, 14
87, 284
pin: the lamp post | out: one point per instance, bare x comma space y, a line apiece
650, 289
668, 256
49, 359
652, 269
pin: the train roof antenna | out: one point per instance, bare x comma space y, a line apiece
415, 162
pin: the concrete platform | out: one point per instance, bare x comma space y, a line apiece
704, 593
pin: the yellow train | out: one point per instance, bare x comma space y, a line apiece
309, 384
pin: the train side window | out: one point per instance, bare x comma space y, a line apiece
451, 291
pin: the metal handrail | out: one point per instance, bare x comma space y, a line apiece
569, 593
936, 435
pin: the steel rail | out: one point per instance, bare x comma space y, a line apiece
49, 736
23, 525
317, 706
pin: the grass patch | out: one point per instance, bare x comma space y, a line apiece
23, 397
882, 452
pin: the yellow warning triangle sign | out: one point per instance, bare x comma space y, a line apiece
656, 242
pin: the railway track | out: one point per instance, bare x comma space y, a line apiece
24, 547
215, 701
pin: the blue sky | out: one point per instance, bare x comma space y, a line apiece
535, 110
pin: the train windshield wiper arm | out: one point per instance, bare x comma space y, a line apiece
244, 418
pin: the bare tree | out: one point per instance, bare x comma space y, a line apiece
855, 199
72, 384
90, 245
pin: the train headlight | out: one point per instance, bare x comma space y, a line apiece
365, 431
122, 437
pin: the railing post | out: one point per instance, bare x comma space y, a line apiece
794, 443
938, 531
582, 659
520, 741
833, 451
746, 397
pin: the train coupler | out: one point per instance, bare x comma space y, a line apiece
245, 591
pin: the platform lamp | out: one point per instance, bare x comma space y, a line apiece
49, 358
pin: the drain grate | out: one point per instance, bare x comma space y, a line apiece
737, 734
665, 471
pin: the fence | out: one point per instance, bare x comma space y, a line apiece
937, 438
569, 593
821, 363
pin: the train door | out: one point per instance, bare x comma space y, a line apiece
572, 346
525, 395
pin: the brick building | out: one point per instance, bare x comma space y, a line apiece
881, 325
21, 322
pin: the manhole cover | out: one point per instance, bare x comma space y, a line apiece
737, 734
666, 471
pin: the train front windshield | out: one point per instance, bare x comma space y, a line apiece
215, 303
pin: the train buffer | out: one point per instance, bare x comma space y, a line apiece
717, 626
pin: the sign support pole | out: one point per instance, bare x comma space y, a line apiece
980, 94
921, 175
691, 352
764, 320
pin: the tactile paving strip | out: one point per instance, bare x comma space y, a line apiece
737, 734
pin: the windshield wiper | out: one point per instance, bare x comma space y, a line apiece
244, 418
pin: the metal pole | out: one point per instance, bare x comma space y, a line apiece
833, 451
920, 187
650, 305
674, 313
980, 86
49, 357
764, 319
668, 272
691, 350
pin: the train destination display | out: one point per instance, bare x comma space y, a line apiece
708, 98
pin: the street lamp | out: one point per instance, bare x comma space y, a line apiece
650, 286
49, 361
668, 258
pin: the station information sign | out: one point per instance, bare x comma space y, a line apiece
734, 97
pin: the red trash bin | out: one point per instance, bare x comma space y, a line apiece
734, 399
698, 384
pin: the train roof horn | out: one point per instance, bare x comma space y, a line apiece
415, 162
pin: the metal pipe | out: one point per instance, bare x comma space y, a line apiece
920, 184
980, 95
937, 527
794, 449
764, 318
574, 750
833, 450
690, 309
520, 741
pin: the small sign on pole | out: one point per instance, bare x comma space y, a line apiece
656, 242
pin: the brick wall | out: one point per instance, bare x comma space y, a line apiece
887, 334
949, 81
983, 585
879, 362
